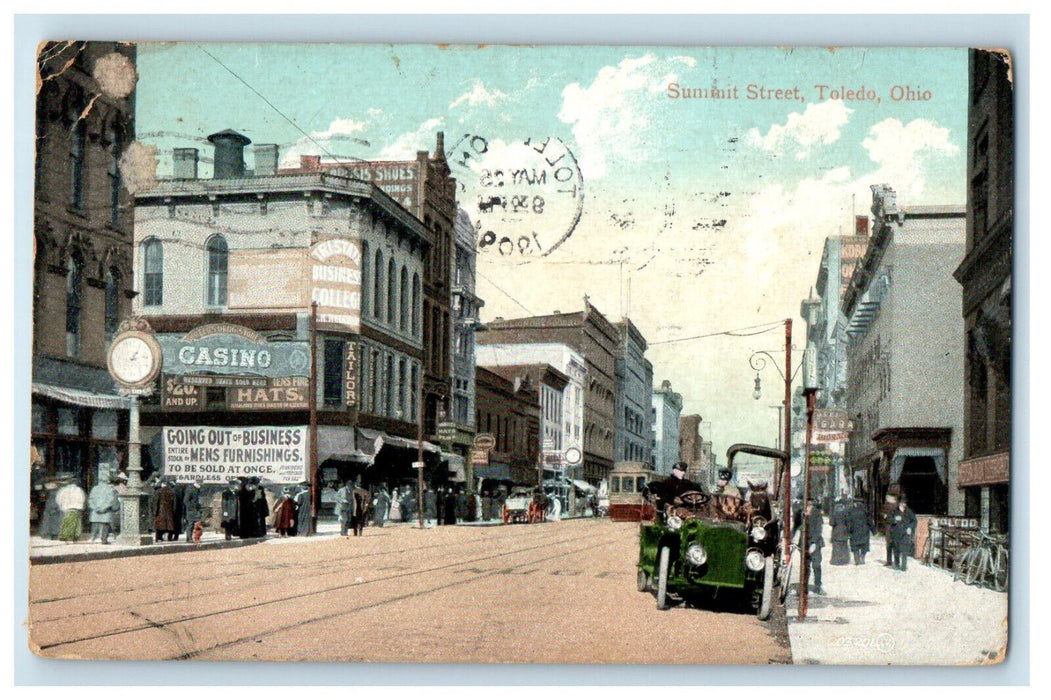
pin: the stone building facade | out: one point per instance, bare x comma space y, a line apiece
985, 274
905, 359
569, 363
236, 262
508, 410
634, 407
597, 340
466, 308
667, 405
427, 190
82, 275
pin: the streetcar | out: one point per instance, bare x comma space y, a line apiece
628, 483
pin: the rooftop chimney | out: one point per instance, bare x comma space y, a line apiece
229, 154
184, 164
311, 164
440, 147
861, 225
265, 159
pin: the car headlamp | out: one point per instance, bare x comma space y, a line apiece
754, 560
695, 554
674, 522
758, 532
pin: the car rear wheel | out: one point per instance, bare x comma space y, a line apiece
784, 579
662, 578
644, 581
766, 603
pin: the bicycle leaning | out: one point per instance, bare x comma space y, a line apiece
985, 563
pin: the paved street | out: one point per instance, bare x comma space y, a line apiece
557, 592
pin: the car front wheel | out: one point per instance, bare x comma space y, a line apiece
767, 601
662, 579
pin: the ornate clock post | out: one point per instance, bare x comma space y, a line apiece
134, 361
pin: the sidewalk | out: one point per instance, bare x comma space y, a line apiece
45, 551
875, 615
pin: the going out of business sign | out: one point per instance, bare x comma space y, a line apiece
277, 454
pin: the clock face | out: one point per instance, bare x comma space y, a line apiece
131, 360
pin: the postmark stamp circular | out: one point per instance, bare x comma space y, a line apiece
524, 197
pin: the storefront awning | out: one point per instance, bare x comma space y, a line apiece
457, 466
584, 486
937, 454
493, 470
79, 397
339, 443
377, 439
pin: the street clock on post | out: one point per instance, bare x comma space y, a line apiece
134, 359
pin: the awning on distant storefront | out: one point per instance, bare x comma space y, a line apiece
935, 453
493, 470
584, 486
457, 466
80, 397
339, 443
376, 439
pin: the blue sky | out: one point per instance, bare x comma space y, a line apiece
711, 212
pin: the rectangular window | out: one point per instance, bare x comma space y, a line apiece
333, 372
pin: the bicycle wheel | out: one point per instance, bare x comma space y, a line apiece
977, 566
1001, 570
961, 563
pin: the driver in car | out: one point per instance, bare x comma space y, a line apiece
670, 489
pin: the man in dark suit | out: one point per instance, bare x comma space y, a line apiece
669, 490
902, 530
815, 541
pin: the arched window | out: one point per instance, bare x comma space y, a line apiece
153, 273
392, 292
416, 304
74, 302
377, 297
403, 300
364, 278
113, 280
218, 258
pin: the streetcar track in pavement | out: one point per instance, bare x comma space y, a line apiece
395, 599
298, 596
306, 568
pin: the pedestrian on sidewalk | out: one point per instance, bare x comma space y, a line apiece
51, 520
900, 537
860, 528
380, 506
191, 507
165, 507
304, 510
345, 506
285, 514
815, 541
70, 499
430, 507
839, 520
360, 513
102, 503
230, 508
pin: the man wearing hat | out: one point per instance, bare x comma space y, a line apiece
102, 504
670, 489
191, 507
723, 485
304, 510
815, 541
231, 508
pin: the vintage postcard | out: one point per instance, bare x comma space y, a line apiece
481, 351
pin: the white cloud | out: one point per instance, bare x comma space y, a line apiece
818, 124
331, 140
610, 117
422, 139
902, 151
341, 126
478, 95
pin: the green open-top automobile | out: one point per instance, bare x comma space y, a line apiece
710, 543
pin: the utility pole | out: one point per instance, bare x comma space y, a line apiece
315, 487
804, 544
